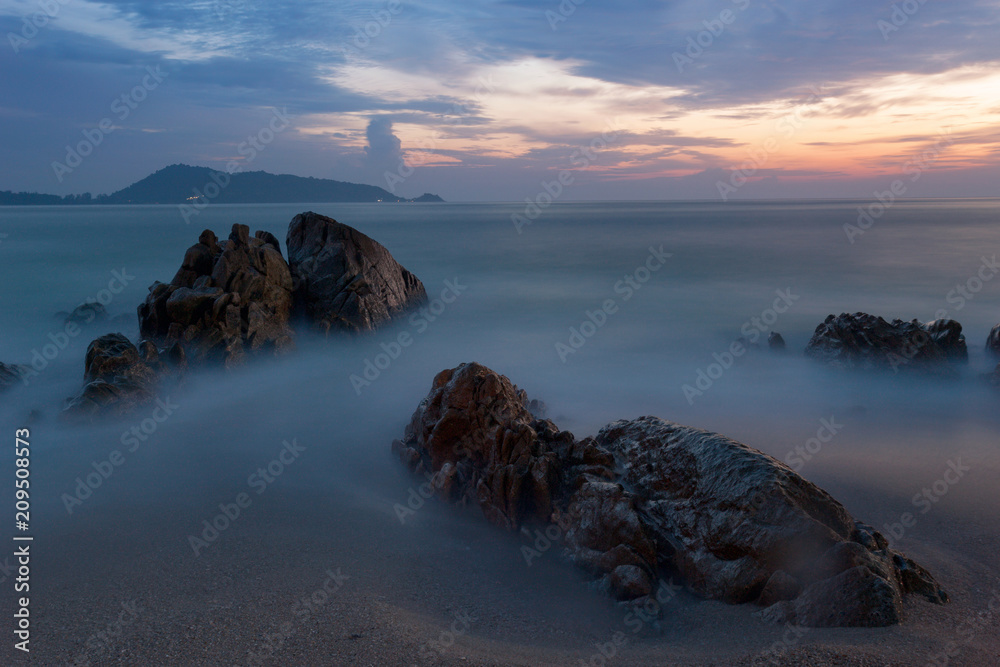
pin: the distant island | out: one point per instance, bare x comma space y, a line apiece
184, 184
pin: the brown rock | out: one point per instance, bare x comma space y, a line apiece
227, 299
648, 499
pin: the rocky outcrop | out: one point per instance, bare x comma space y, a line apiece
648, 499
120, 377
117, 379
227, 299
775, 341
993, 342
867, 342
345, 280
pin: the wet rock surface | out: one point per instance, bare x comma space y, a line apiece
649, 499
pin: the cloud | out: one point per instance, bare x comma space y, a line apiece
384, 149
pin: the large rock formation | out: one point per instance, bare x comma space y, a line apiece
228, 298
649, 499
345, 280
868, 342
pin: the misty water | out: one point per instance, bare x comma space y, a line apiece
520, 295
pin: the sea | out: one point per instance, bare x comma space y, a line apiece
603, 310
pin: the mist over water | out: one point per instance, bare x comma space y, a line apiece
520, 295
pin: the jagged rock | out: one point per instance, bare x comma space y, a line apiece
86, 313
648, 499
345, 280
993, 342
775, 341
868, 342
227, 298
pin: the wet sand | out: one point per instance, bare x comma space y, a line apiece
442, 588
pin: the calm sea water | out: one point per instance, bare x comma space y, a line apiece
522, 295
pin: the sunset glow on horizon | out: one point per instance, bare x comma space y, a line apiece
832, 110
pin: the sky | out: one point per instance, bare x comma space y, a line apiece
504, 100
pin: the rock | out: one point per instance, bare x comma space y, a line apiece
862, 341
780, 587
11, 374
345, 280
993, 342
86, 313
226, 299
117, 378
647, 499
775, 341
947, 334
853, 598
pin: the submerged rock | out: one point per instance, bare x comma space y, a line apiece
86, 313
862, 341
345, 280
227, 299
648, 499
11, 374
